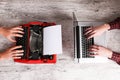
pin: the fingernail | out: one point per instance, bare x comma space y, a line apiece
21, 36
20, 46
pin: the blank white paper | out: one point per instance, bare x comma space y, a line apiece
52, 40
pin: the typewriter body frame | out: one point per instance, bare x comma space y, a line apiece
35, 61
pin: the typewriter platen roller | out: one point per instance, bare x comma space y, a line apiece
32, 42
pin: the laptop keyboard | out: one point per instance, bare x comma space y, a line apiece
86, 43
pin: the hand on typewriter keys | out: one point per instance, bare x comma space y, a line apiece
12, 53
96, 31
10, 33
100, 51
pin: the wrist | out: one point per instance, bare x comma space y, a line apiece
110, 54
1, 58
106, 26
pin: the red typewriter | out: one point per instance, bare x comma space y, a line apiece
33, 53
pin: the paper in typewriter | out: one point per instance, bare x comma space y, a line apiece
52, 40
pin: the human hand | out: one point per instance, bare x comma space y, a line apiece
100, 51
96, 31
12, 53
10, 33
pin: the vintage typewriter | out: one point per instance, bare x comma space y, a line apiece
32, 42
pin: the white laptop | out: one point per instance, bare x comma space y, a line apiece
81, 45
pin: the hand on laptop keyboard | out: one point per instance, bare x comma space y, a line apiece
101, 51
96, 31
12, 53
10, 33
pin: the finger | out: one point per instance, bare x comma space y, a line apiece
88, 29
18, 54
17, 35
16, 47
93, 50
18, 51
18, 28
94, 47
90, 35
87, 32
17, 31
16, 57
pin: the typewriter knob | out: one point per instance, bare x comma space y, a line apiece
50, 57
